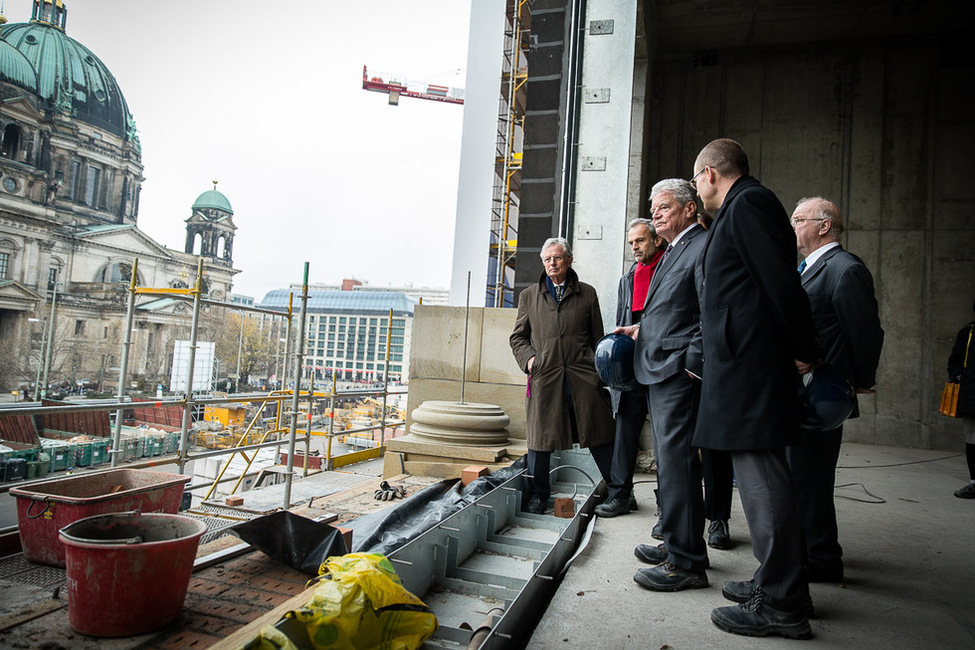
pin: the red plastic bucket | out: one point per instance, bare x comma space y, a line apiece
128, 572
45, 508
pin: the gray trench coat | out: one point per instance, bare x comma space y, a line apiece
562, 339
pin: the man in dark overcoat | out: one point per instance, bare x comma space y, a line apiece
554, 340
757, 332
844, 308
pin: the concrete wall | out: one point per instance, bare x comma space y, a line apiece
884, 130
437, 360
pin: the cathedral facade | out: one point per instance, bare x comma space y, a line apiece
70, 176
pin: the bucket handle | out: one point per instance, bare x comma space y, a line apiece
47, 506
132, 540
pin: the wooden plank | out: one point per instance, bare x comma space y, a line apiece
444, 450
442, 470
239, 638
31, 612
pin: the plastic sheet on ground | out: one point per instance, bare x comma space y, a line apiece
299, 542
386, 530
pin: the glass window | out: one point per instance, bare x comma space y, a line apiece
91, 187
4, 265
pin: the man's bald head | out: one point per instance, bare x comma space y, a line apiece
724, 155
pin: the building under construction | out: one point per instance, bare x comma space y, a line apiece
573, 108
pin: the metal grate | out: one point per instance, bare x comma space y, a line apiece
16, 569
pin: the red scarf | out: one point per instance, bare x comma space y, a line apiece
641, 280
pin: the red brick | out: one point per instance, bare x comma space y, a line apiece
473, 472
565, 507
234, 501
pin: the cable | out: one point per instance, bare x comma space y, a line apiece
876, 499
912, 462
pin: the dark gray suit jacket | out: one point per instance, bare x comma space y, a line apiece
670, 328
844, 308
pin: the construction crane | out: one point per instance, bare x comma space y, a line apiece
396, 86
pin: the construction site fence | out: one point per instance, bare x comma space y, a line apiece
245, 442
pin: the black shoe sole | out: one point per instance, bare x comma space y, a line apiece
684, 583
722, 545
610, 513
798, 631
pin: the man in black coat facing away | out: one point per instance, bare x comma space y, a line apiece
841, 295
757, 332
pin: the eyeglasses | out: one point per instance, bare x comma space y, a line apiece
795, 220
693, 181
556, 258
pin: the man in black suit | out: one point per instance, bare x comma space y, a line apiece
757, 332
630, 406
668, 361
840, 290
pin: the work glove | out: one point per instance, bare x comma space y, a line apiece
387, 492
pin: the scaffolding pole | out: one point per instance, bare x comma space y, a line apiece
188, 394
299, 346
124, 366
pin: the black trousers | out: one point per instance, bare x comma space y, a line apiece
719, 477
813, 465
630, 416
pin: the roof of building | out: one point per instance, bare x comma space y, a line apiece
15, 68
344, 302
71, 78
213, 199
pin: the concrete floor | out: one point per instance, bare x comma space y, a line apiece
908, 547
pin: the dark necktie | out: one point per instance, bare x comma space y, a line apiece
558, 292
802, 266
663, 259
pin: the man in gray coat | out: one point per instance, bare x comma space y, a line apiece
668, 361
554, 341
758, 333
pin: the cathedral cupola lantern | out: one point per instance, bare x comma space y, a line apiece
210, 229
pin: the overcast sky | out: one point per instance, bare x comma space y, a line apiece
267, 99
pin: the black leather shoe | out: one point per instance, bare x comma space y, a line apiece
758, 617
613, 507
633, 506
651, 554
741, 592
668, 577
536, 505
658, 530
718, 535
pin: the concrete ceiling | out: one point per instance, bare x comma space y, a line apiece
693, 26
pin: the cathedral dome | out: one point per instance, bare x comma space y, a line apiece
16, 69
212, 199
69, 76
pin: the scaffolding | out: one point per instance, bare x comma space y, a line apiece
284, 430
506, 198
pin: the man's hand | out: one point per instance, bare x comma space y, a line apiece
804, 368
865, 391
531, 362
633, 331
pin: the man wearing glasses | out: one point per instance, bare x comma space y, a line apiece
844, 308
554, 339
757, 331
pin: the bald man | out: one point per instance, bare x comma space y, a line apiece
844, 308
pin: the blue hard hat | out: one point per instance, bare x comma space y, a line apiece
614, 361
828, 399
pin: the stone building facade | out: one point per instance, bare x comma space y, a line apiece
70, 176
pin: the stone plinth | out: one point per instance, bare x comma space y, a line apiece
461, 423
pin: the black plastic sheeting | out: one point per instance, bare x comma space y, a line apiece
299, 542
387, 530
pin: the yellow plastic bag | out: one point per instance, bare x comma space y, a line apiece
360, 603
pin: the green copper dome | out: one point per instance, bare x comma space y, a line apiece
16, 69
71, 78
213, 199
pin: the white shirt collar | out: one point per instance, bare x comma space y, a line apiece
681, 234
819, 252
